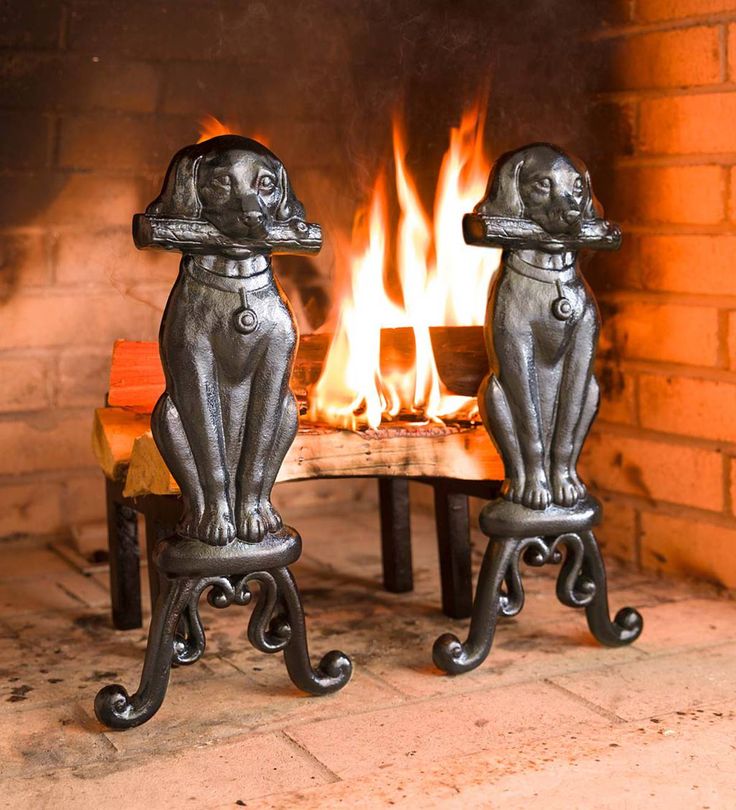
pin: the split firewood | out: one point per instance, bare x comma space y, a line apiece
324, 452
114, 432
137, 379
124, 448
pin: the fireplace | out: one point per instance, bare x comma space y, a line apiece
97, 97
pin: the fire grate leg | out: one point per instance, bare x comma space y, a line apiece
453, 541
393, 497
122, 539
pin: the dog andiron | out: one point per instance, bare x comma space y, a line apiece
227, 416
540, 397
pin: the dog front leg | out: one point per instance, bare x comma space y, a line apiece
173, 444
264, 427
496, 415
285, 436
517, 377
576, 409
197, 402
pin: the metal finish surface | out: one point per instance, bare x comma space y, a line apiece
176, 636
228, 336
540, 396
227, 416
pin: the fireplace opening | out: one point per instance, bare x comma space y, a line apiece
97, 97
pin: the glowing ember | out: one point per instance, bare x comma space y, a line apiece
443, 282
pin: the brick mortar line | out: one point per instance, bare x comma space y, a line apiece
722, 337
294, 744
637, 28
676, 228
51, 476
594, 707
64, 25
637, 545
662, 368
727, 500
672, 510
376, 678
660, 297
636, 94
723, 51
636, 432
661, 160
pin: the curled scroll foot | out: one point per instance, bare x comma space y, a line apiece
499, 568
335, 668
176, 636
114, 708
581, 584
627, 625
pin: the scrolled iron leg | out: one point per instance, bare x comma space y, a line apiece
189, 640
628, 624
113, 706
334, 669
449, 653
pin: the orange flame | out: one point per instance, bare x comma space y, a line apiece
211, 127
443, 281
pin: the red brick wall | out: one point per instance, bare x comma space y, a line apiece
96, 95
664, 450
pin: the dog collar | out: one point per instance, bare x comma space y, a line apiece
540, 273
232, 284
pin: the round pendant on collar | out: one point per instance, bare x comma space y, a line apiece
245, 320
561, 306
561, 309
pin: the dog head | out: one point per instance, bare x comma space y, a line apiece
544, 184
233, 182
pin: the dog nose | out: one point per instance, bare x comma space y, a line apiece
253, 217
572, 216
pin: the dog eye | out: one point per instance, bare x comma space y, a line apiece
578, 187
544, 184
223, 181
266, 183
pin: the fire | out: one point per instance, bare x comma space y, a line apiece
443, 282
211, 127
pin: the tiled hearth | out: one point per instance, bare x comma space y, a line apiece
550, 714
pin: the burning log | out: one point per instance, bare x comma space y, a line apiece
137, 379
124, 448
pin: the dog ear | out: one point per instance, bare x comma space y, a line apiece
593, 209
502, 197
289, 207
178, 198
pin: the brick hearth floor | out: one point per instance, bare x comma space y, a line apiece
551, 720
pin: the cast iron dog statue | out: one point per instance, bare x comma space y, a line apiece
228, 337
540, 397
542, 325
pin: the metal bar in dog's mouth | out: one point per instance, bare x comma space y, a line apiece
200, 236
518, 234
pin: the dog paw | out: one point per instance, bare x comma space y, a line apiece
512, 489
580, 487
270, 515
252, 524
536, 493
213, 527
566, 488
